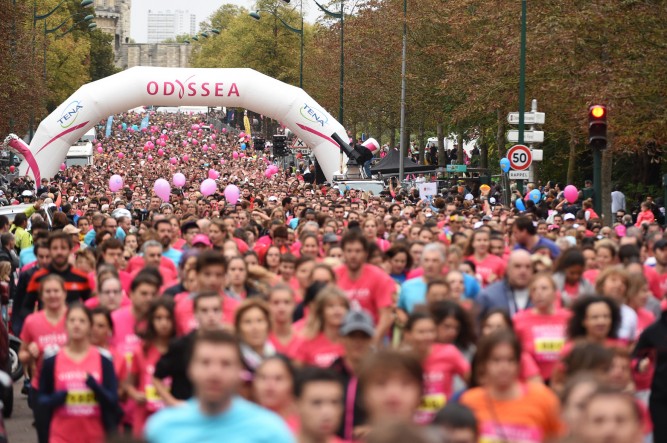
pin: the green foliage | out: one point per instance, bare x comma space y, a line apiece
101, 55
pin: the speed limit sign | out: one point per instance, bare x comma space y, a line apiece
520, 157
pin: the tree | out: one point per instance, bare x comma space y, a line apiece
101, 55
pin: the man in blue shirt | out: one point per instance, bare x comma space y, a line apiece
216, 413
165, 233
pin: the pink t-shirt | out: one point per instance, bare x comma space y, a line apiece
143, 367
542, 336
591, 275
124, 340
488, 268
288, 349
371, 292
442, 364
318, 351
80, 416
185, 317
48, 337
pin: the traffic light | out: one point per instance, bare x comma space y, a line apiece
280, 146
597, 127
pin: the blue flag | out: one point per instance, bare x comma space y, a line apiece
144, 122
107, 133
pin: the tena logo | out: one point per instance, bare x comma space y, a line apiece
70, 114
314, 115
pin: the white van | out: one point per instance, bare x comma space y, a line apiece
80, 154
89, 136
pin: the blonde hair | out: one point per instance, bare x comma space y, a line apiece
315, 322
5, 270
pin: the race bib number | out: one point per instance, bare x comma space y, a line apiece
546, 345
81, 402
433, 402
153, 400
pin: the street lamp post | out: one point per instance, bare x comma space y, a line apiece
255, 15
340, 16
401, 160
522, 79
35, 18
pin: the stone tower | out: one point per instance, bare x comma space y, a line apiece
113, 17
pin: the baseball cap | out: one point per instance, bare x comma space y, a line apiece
70, 229
330, 238
569, 216
357, 321
201, 239
662, 243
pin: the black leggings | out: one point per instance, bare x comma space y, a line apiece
42, 416
658, 409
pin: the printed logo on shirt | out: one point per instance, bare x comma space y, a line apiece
549, 341
492, 432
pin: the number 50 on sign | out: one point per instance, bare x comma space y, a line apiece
520, 157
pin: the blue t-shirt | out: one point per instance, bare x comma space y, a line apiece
173, 255
89, 238
242, 422
27, 256
413, 292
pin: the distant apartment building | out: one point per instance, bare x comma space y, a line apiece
163, 25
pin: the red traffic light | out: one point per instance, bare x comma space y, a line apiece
598, 111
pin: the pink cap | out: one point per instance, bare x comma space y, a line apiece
201, 239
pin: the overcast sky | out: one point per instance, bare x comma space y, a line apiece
201, 8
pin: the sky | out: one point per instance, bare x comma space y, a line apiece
201, 8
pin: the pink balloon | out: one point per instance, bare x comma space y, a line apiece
242, 154
162, 189
222, 161
213, 174
241, 135
185, 143
232, 194
99, 145
140, 155
160, 152
224, 130
235, 154
178, 180
150, 157
208, 187
268, 174
173, 160
63, 166
195, 142
571, 193
100, 149
189, 134
115, 183
204, 148
121, 155
213, 137
168, 125
213, 145
186, 157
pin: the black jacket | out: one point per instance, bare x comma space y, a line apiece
359, 418
652, 343
174, 364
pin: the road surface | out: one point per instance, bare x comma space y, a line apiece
19, 427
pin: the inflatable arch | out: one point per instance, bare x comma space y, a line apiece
241, 88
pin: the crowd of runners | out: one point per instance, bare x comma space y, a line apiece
273, 308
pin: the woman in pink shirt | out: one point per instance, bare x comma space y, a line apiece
110, 293
542, 328
489, 267
160, 329
273, 388
321, 342
370, 229
441, 362
43, 334
79, 386
281, 305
